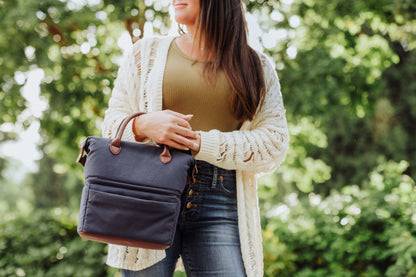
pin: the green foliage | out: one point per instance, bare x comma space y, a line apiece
300, 169
45, 244
349, 96
367, 231
51, 186
76, 47
350, 56
395, 123
15, 195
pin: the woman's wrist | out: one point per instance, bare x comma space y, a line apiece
197, 145
198, 142
136, 130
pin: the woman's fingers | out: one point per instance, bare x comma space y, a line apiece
176, 145
185, 142
185, 132
186, 117
182, 122
180, 140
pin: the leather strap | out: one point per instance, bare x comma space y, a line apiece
115, 146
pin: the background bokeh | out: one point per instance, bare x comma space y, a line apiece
342, 204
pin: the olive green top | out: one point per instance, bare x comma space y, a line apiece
186, 91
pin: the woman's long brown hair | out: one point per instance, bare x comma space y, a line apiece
222, 27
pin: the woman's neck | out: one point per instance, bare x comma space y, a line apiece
191, 31
191, 44
194, 38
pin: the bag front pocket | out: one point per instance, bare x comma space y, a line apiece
130, 218
129, 190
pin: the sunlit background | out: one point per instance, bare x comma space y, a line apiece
343, 203
24, 149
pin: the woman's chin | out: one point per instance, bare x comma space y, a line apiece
183, 20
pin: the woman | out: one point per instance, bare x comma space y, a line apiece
222, 100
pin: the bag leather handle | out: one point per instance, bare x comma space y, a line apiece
115, 146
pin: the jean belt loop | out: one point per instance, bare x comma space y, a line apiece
214, 177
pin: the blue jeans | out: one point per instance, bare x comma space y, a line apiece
207, 235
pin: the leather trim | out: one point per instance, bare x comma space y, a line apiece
121, 241
165, 157
82, 157
115, 147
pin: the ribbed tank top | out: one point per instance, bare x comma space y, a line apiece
186, 91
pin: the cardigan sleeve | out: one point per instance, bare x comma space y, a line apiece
123, 99
260, 145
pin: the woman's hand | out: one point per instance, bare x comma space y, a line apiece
197, 143
167, 127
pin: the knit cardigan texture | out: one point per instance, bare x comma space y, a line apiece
260, 145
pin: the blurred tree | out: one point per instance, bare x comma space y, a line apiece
354, 76
347, 74
347, 71
76, 44
47, 244
366, 230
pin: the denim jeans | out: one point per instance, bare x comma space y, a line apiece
207, 235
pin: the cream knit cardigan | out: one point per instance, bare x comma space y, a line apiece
259, 146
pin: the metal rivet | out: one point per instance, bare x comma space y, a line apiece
190, 205
192, 192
